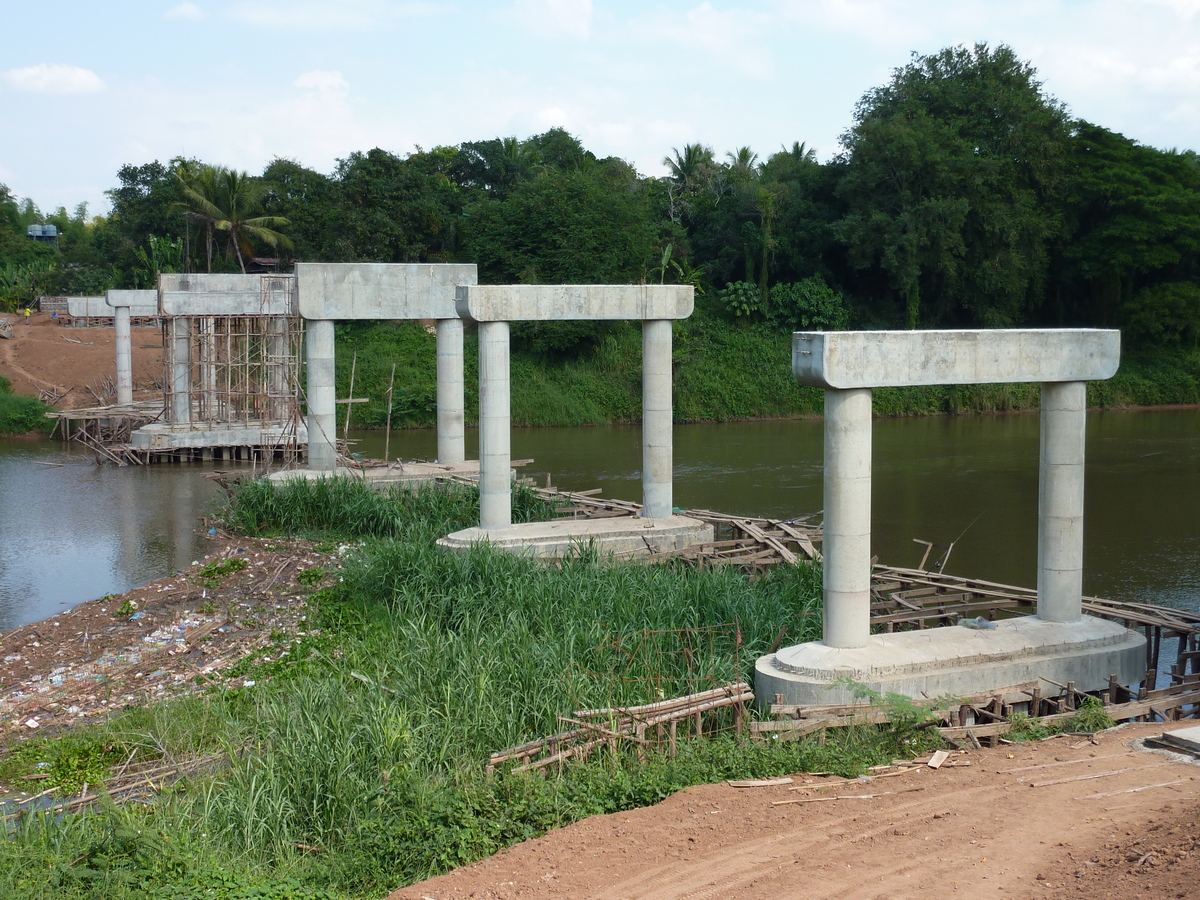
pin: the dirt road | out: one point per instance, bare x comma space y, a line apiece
1061, 817
43, 354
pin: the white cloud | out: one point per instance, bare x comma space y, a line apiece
553, 18
319, 15
322, 80
185, 11
54, 79
734, 37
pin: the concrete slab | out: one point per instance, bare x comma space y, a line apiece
209, 294
163, 436
339, 291
626, 536
547, 302
407, 473
957, 660
1184, 738
870, 359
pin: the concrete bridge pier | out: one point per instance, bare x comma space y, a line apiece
847, 543
322, 399
451, 428
495, 452
1060, 501
124, 341
181, 371
657, 425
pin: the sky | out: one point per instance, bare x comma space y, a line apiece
87, 87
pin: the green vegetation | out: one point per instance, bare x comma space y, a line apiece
21, 415
356, 760
1088, 719
721, 373
213, 573
963, 196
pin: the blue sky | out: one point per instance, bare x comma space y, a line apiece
86, 87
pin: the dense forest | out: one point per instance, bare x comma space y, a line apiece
963, 196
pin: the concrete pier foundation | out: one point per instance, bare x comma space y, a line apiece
1058, 643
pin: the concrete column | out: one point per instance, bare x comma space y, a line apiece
278, 367
322, 400
657, 497
452, 442
495, 463
181, 370
1060, 501
847, 547
121, 321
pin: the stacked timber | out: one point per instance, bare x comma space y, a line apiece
646, 725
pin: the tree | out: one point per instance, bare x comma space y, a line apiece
230, 201
397, 210
951, 176
1132, 222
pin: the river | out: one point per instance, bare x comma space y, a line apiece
76, 531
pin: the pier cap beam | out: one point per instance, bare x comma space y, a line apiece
574, 302
846, 360
141, 304
343, 291
202, 294
88, 308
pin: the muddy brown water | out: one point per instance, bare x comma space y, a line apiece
75, 532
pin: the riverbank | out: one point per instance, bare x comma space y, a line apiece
723, 373
308, 719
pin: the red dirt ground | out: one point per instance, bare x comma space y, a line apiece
43, 354
993, 829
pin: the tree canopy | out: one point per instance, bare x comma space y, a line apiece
963, 196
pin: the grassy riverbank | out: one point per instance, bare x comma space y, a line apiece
21, 415
356, 758
722, 373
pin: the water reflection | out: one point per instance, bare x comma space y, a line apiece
74, 531
972, 480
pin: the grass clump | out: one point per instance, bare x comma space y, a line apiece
211, 574
366, 742
20, 414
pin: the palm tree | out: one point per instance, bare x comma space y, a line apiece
231, 201
743, 162
687, 166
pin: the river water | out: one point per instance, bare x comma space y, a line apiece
77, 531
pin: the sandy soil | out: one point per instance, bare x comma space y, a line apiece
43, 354
1063, 817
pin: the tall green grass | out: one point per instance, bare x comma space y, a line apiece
21, 415
357, 759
